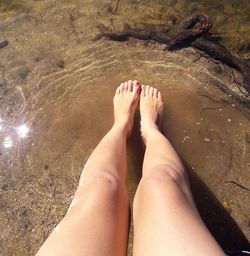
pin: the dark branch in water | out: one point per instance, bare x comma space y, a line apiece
192, 32
219, 52
135, 33
116, 6
237, 184
189, 32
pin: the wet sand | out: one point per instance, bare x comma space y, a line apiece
56, 87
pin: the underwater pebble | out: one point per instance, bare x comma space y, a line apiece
4, 43
233, 105
197, 123
207, 140
60, 64
226, 206
229, 120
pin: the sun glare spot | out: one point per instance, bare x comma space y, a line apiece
7, 142
22, 131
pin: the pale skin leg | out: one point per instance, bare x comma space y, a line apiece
97, 220
166, 221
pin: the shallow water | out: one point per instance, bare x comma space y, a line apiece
56, 88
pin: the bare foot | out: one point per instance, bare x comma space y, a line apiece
125, 103
151, 106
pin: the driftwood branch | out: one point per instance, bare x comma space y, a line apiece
116, 6
237, 184
194, 31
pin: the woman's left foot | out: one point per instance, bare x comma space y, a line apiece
125, 101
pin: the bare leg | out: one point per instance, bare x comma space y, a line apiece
166, 221
97, 220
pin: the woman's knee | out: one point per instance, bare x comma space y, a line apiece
159, 186
163, 182
108, 181
164, 174
102, 183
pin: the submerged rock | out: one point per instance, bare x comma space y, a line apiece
4, 43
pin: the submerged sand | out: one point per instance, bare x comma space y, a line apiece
58, 83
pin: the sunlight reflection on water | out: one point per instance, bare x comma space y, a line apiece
21, 132
7, 142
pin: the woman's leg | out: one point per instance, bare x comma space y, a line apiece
97, 220
166, 221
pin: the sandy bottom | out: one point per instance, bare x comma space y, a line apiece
56, 90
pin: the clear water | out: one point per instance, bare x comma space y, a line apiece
56, 89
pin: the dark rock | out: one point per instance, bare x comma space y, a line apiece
109, 9
60, 64
4, 43
24, 73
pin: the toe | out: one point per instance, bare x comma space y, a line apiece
155, 92
136, 83
151, 91
118, 90
143, 92
135, 86
159, 96
147, 90
125, 88
121, 87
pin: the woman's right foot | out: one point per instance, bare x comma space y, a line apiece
125, 103
151, 106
